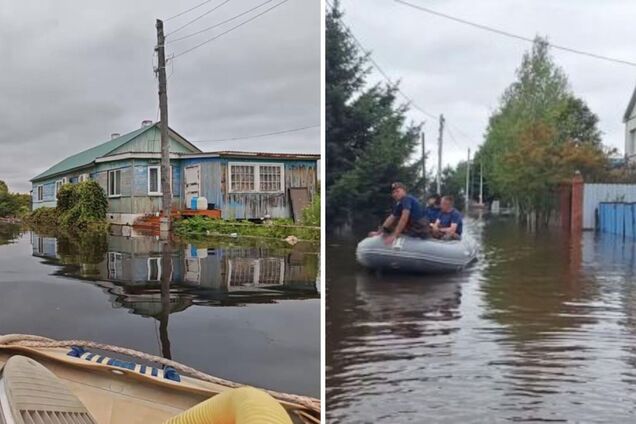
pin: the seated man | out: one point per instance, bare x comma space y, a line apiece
407, 217
432, 208
449, 224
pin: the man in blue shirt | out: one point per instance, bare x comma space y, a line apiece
407, 217
432, 208
449, 224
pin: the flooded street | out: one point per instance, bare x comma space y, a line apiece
247, 313
541, 328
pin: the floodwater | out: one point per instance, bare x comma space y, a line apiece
247, 313
540, 329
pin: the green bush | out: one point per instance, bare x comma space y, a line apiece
67, 197
311, 214
46, 217
78, 206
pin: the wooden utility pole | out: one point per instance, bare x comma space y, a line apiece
166, 204
468, 180
423, 159
440, 141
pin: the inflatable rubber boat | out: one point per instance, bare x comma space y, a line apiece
410, 254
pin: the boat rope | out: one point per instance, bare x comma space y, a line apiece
31, 341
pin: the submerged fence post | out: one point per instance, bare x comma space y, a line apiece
576, 220
565, 203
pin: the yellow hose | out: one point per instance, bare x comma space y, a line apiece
245, 405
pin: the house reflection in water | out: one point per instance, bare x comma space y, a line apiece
130, 269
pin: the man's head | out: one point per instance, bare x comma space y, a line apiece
447, 203
398, 191
433, 200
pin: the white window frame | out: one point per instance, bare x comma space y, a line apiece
83, 177
257, 176
58, 186
158, 168
114, 264
158, 192
108, 184
157, 260
39, 190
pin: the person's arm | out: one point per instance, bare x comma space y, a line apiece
449, 230
435, 224
388, 224
401, 225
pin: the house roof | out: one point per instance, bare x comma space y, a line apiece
88, 157
630, 106
261, 155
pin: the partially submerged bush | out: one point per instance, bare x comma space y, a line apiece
78, 206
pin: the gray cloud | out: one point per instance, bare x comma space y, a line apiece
74, 72
461, 71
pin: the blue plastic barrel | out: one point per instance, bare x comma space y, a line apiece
193, 202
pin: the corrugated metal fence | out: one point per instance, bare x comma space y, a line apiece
617, 218
595, 194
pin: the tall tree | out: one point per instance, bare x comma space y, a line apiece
539, 135
368, 143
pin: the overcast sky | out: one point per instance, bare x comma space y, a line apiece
74, 72
461, 71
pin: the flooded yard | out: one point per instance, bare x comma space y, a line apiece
541, 328
245, 312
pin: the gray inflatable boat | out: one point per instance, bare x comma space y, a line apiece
410, 254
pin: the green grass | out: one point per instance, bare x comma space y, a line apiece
278, 229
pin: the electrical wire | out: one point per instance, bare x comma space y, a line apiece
188, 10
257, 135
220, 23
229, 30
516, 36
199, 17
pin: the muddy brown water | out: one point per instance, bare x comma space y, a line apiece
541, 329
245, 313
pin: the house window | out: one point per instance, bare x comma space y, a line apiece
154, 269
40, 193
242, 178
58, 186
632, 141
154, 180
114, 183
83, 177
246, 177
270, 177
114, 265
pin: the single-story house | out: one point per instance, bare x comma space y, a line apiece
243, 185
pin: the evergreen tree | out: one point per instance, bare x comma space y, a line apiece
367, 142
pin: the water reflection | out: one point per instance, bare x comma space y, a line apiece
541, 329
155, 278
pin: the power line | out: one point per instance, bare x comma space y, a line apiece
198, 17
516, 36
188, 10
382, 72
220, 23
257, 135
229, 30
